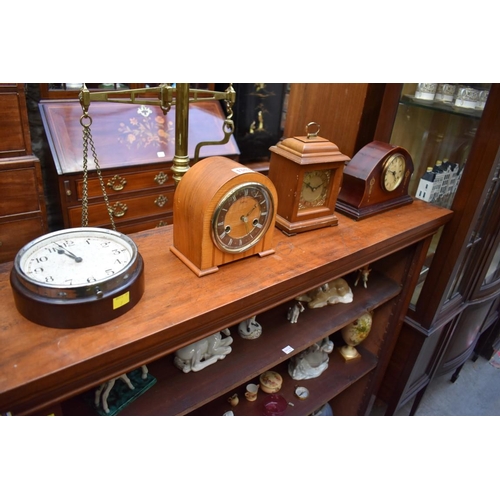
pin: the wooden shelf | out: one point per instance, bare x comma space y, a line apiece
178, 393
336, 378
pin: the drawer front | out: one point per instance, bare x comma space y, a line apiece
15, 233
125, 209
18, 191
124, 183
14, 135
136, 227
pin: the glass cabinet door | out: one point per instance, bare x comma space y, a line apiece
437, 124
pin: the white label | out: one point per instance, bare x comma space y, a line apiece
160, 154
242, 170
288, 349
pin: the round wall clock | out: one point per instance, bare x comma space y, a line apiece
230, 211
375, 180
77, 277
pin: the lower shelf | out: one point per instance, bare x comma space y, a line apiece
336, 378
206, 391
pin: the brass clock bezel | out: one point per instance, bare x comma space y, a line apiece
387, 163
233, 249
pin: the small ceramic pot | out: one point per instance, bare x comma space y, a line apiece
270, 382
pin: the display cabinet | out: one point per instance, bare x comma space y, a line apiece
455, 152
22, 204
50, 370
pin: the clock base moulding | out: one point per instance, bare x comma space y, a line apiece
293, 228
360, 213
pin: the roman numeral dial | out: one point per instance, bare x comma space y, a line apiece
242, 217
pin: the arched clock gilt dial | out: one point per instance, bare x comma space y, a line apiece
242, 217
393, 172
315, 188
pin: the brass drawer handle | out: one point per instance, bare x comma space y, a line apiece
161, 201
161, 178
117, 183
119, 209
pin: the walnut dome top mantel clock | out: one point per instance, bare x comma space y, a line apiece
307, 172
230, 211
375, 180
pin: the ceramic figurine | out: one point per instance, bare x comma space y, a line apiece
105, 389
270, 382
333, 292
205, 352
363, 274
233, 400
312, 362
353, 334
251, 392
294, 311
250, 329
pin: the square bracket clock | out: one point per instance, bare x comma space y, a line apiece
307, 173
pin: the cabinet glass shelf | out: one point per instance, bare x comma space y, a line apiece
438, 136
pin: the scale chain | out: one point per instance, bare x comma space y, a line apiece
86, 121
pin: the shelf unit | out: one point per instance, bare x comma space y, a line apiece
47, 370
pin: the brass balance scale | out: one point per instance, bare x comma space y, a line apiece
85, 276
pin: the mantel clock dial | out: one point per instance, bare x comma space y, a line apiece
307, 172
314, 189
242, 217
393, 172
375, 180
77, 277
229, 210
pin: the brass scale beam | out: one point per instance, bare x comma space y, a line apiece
180, 96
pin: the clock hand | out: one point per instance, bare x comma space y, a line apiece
313, 188
253, 208
63, 250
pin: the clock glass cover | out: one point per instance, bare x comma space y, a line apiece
314, 189
242, 217
393, 172
76, 262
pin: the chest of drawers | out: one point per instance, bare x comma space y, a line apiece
135, 146
22, 204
